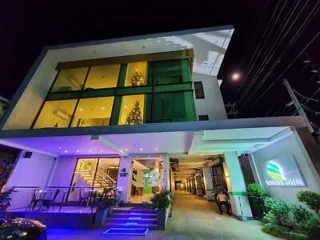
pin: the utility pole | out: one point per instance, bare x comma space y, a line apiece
297, 105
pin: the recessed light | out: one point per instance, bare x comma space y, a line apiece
101, 151
66, 151
102, 108
156, 149
141, 149
125, 106
59, 147
80, 109
90, 151
126, 149
137, 144
78, 151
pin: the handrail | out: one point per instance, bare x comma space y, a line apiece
98, 171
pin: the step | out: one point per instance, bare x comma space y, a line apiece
132, 219
132, 225
126, 231
132, 215
133, 210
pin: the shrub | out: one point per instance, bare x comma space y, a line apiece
282, 232
161, 200
277, 211
255, 191
310, 198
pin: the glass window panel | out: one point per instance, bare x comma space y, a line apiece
136, 74
103, 77
83, 177
107, 172
70, 80
132, 110
93, 112
56, 114
168, 72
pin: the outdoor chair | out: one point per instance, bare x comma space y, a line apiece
50, 202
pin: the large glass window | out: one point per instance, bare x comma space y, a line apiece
136, 74
93, 112
93, 172
168, 72
132, 110
103, 77
56, 114
70, 80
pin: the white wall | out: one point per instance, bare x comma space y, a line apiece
33, 96
290, 145
212, 105
64, 171
30, 172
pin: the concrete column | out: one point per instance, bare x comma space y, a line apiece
199, 186
193, 185
166, 172
236, 186
208, 183
124, 177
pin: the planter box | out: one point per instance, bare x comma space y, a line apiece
161, 218
256, 207
101, 215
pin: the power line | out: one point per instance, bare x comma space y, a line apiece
254, 57
279, 77
273, 48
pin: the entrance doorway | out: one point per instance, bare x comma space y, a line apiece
147, 179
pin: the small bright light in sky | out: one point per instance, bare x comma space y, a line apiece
235, 76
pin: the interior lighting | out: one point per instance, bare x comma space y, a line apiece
90, 150
66, 151
125, 106
141, 149
78, 151
126, 149
59, 147
136, 145
102, 108
101, 150
80, 109
156, 149
227, 175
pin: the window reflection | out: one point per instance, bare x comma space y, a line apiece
136, 74
132, 110
56, 114
103, 77
93, 112
70, 80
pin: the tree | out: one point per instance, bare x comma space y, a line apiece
134, 116
137, 79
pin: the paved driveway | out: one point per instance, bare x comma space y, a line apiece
193, 218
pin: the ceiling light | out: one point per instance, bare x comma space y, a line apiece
141, 149
125, 106
59, 147
156, 149
66, 151
136, 145
90, 151
102, 108
235, 76
80, 109
126, 149
78, 151
101, 151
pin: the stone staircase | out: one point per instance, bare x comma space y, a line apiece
133, 216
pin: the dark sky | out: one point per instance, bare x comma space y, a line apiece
28, 25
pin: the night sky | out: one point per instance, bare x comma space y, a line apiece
26, 26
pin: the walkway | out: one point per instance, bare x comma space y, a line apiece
193, 218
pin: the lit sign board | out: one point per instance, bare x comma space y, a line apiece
282, 171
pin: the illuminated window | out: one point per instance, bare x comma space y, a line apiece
70, 80
93, 112
132, 110
98, 172
136, 74
56, 114
103, 77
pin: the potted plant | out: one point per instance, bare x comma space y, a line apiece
256, 195
161, 202
5, 199
103, 204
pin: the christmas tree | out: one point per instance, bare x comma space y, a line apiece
137, 79
134, 116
